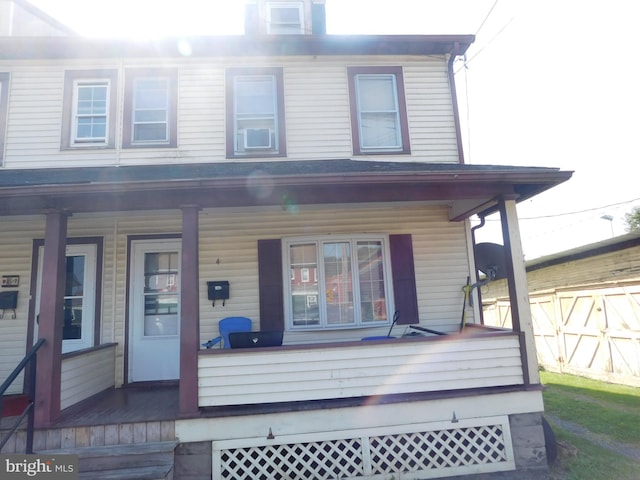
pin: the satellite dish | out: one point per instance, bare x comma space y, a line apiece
490, 260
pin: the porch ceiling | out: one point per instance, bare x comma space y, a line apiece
469, 189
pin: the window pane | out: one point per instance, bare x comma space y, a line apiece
379, 130
92, 99
376, 93
161, 293
151, 110
149, 132
338, 288
304, 286
371, 281
255, 96
72, 327
285, 15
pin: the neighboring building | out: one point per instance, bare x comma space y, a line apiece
323, 178
586, 309
18, 18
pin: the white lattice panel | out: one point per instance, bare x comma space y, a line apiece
423, 451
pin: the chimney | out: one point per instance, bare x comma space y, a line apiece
285, 17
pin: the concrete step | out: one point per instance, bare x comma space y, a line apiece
135, 461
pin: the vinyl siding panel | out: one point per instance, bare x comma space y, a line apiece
238, 377
317, 111
85, 375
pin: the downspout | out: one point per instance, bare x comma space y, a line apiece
477, 279
454, 100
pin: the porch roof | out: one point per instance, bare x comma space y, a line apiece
469, 189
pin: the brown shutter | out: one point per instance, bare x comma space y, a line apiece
404, 278
270, 286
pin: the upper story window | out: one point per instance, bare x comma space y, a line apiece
4, 105
378, 110
89, 109
285, 18
150, 110
255, 112
350, 285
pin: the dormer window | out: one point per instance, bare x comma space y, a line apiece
285, 18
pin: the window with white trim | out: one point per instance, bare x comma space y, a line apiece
89, 109
379, 119
90, 112
285, 18
351, 287
150, 109
255, 116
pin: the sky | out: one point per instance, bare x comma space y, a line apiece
547, 83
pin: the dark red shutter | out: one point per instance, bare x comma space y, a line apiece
404, 278
270, 286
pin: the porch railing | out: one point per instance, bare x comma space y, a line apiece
29, 359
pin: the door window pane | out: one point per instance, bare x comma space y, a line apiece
73, 297
161, 289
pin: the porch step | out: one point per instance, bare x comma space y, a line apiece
134, 461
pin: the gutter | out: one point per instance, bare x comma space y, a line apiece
454, 99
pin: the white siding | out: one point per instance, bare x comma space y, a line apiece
85, 375
393, 367
15, 251
316, 109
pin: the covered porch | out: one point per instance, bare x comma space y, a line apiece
221, 381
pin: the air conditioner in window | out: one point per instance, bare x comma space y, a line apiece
258, 138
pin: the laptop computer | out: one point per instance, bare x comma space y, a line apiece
255, 339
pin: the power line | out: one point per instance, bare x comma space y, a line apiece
573, 213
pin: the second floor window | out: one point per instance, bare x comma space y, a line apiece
150, 108
255, 113
379, 118
89, 109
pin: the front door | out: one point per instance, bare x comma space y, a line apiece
154, 311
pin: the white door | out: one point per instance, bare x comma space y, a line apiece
79, 297
154, 311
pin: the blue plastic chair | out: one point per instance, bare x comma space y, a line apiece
226, 326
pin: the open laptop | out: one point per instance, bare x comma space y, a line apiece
255, 339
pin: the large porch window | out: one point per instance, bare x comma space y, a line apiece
337, 282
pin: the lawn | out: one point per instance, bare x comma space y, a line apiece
608, 410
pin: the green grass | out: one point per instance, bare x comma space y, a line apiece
612, 410
603, 408
592, 462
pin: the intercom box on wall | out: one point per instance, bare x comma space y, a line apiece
218, 290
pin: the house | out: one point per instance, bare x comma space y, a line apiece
323, 178
584, 305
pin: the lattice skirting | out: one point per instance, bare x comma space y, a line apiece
418, 451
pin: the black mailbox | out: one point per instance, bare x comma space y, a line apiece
218, 290
8, 301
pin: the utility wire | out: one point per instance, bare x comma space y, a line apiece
573, 213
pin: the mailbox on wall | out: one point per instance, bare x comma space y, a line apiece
8, 301
218, 290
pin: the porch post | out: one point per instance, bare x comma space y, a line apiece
189, 312
518, 289
48, 376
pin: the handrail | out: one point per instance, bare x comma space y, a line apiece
31, 356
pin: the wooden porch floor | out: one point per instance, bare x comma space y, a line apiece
143, 403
